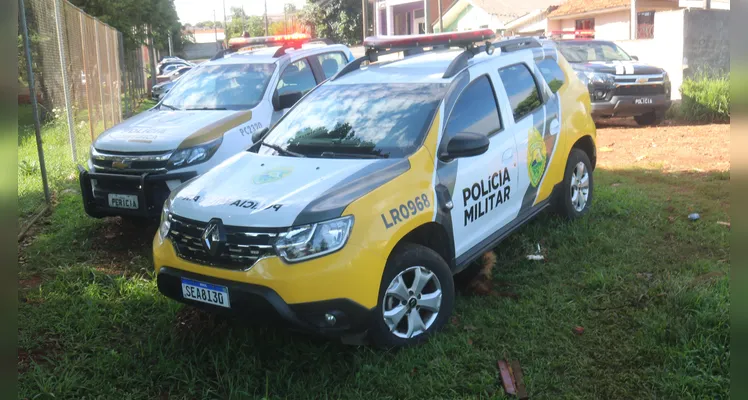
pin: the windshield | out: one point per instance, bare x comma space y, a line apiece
576, 52
357, 121
221, 87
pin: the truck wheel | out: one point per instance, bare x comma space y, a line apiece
649, 119
416, 297
576, 190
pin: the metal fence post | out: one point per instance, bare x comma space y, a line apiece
123, 72
88, 76
98, 74
32, 93
65, 87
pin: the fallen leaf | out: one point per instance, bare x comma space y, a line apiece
616, 184
470, 341
644, 275
727, 224
605, 149
469, 328
578, 330
641, 157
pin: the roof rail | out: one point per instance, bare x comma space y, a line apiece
377, 46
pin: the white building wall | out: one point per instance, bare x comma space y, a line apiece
613, 26
475, 18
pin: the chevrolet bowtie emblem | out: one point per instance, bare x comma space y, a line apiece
121, 163
214, 237
642, 80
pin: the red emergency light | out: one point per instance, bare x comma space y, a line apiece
438, 39
277, 40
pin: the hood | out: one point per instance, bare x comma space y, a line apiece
618, 67
166, 130
252, 190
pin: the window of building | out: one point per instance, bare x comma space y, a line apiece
586, 26
521, 89
476, 110
645, 22
552, 73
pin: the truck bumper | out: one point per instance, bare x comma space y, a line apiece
151, 191
626, 106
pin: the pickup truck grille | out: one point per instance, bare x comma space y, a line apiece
129, 163
244, 246
639, 90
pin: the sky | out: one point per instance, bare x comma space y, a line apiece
194, 11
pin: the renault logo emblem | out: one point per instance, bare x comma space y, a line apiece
214, 237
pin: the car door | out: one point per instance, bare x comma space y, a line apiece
534, 122
483, 185
296, 77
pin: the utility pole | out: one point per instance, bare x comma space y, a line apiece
244, 28
266, 18
171, 47
427, 27
285, 19
225, 26
364, 4
215, 29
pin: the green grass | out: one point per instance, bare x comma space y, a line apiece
649, 286
61, 168
706, 99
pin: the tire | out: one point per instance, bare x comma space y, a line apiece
567, 205
405, 262
649, 119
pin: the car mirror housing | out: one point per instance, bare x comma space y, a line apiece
258, 135
285, 100
465, 144
635, 58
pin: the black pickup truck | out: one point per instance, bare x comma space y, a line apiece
619, 85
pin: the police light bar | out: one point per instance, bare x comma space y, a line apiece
459, 39
277, 40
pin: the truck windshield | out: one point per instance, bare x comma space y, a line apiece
576, 52
221, 87
357, 121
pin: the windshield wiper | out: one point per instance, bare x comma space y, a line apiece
206, 108
335, 154
168, 106
282, 150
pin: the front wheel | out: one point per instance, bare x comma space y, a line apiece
416, 297
576, 192
651, 118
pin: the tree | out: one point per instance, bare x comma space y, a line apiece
338, 20
239, 22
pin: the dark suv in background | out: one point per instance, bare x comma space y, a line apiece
619, 85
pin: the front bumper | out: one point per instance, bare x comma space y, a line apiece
263, 304
151, 190
625, 106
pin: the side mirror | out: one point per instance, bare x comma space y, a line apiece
635, 58
260, 134
465, 144
285, 100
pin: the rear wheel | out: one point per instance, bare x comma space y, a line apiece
575, 195
649, 119
416, 297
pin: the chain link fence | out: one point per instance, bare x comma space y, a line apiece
83, 80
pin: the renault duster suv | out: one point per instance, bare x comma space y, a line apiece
351, 216
209, 116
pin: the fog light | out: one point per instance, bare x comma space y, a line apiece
600, 94
330, 319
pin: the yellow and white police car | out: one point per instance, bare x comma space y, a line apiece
208, 116
354, 211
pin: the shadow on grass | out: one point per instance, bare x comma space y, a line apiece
648, 285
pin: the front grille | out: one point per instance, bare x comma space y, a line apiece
639, 90
244, 246
130, 163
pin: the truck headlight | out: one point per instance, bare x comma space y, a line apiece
314, 240
165, 225
598, 78
194, 155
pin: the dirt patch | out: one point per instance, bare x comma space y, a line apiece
669, 147
123, 242
41, 355
191, 321
29, 283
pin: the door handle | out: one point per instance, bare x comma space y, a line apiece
508, 155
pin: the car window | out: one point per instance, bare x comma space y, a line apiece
521, 88
297, 77
358, 120
475, 110
592, 51
552, 73
221, 86
332, 63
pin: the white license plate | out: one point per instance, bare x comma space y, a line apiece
643, 100
129, 201
205, 292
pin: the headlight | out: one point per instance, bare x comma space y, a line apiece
315, 240
596, 78
194, 155
165, 225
